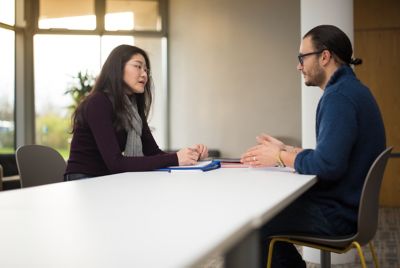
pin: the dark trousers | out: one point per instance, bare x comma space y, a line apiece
76, 176
303, 216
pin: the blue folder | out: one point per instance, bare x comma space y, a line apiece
213, 165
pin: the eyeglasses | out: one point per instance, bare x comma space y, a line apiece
301, 56
140, 67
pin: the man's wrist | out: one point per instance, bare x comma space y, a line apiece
292, 149
279, 161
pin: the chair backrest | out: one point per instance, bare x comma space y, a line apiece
38, 165
1, 177
369, 202
9, 165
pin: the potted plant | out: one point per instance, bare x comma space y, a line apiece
80, 88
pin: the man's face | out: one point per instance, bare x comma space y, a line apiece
309, 65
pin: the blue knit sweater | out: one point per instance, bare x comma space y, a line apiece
350, 135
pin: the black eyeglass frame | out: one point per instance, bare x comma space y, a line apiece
301, 56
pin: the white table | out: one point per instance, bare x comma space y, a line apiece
143, 219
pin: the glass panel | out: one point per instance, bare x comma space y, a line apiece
7, 11
132, 15
155, 47
109, 42
58, 59
55, 72
157, 50
68, 14
7, 91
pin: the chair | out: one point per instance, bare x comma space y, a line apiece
1, 177
10, 179
38, 165
366, 226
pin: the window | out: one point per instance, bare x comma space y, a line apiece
7, 12
157, 50
58, 59
70, 37
132, 15
71, 14
7, 76
69, 42
109, 42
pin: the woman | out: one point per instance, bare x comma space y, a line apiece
110, 130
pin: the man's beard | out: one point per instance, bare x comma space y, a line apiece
316, 77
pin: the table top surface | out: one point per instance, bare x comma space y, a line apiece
141, 219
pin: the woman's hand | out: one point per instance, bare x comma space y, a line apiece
202, 150
187, 156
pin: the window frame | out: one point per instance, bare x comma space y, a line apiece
26, 27
13, 28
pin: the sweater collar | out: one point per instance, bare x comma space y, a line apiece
342, 71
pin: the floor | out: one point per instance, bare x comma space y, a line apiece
386, 243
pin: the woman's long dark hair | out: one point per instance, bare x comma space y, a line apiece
111, 82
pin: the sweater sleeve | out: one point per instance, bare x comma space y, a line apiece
99, 116
150, 146
336, 134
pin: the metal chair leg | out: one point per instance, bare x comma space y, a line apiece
325, 259
360, 253
270, 252
371, 247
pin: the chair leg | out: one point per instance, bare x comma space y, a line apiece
360, 253
325, 259
371, 247
270, 252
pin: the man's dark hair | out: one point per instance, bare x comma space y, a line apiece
335, 40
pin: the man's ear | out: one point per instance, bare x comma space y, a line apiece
326, 57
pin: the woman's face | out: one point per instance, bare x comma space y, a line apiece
135, 73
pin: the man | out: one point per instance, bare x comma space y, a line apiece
350, 135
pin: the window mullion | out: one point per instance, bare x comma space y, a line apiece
24, 72
100, 11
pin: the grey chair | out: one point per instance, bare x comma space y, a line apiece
10, 179
366, 225
38, 165
1, 177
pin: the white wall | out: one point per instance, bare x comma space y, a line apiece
313, 13
233, 72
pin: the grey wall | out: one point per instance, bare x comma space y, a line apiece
233, 72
